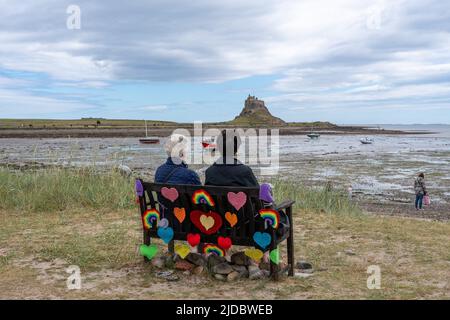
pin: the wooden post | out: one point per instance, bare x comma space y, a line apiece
290, 242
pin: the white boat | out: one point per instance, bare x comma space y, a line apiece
366, 140
313, 135
147, 139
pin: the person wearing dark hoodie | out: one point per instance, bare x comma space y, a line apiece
175, 170
228, 170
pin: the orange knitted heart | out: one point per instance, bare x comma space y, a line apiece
179, 213
231, 218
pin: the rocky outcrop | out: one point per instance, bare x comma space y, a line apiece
255, 112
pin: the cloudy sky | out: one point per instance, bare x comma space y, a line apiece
345, 61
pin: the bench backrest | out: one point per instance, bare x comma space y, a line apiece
248, 218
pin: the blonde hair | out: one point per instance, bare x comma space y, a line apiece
176, 146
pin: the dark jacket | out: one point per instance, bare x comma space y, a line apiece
230, 174
170, 172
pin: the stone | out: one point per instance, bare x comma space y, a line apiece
264, 265
303, 265
240, 259
169, 263
349, 252
220, 277
232, 276
302, 275
214, 260
167, 275
158, 262
243, 272
222, 268
197, 270
183, 265
196, 258
255, 273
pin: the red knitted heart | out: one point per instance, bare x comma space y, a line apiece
193, 239
224, 243
207, 222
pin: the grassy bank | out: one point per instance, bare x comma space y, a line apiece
62, 189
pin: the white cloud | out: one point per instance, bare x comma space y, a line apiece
326, 54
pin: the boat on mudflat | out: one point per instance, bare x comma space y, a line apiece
366, 140
147, 139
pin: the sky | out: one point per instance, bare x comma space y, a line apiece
344, 61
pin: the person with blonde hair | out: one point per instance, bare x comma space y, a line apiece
175, 170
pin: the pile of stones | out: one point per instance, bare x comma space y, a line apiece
238, 266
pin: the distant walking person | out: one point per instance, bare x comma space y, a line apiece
420, 190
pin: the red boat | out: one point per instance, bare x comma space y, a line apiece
208, 144
149, 141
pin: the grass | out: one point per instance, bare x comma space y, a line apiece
54, 218
57, 189
62, 189
36, 249
321, 199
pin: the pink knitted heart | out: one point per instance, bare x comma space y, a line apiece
237, 200
169, 193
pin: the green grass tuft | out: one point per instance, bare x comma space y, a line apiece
61, 189
313, 199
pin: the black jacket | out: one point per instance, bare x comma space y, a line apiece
230, 174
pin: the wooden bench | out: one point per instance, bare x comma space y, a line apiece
196, 204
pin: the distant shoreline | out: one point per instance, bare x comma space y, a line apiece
164, 131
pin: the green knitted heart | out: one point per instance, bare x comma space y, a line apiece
275, 256
148, 251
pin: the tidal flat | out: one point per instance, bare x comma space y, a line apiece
381, 175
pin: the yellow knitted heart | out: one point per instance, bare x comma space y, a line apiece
182, 250
254, 254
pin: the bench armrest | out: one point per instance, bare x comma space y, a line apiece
285, 204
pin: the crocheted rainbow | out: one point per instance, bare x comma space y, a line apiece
150, 217
202, 197
213, 249
272, 217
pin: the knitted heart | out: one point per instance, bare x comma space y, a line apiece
148, 251
179, 213
262, 239
224, 242
237, 200
182, 250
254, 254
166, 234
274, 256
207, 222
231, 218
193, 239
169, 193
163, 223
139, 188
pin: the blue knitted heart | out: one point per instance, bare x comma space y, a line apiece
262, 239
166, 234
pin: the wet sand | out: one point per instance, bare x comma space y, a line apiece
122, 132
381, 175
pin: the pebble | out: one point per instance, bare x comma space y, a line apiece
232, 276
158, 262
198, 270
183, 265
220, 277
222, 268
303, 265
